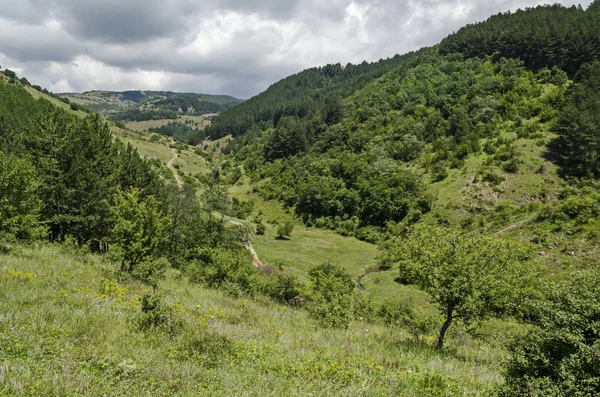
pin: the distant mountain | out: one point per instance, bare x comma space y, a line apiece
150, 105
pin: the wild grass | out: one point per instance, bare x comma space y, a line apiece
309, 247
68, 327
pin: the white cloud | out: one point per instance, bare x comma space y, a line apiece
226, 46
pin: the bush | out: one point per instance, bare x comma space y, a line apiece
227, 268
332, 295
285, 230
261, 229
439, 172
287, 288
396, 313
151, 271
156, 315
10, 74
559, 356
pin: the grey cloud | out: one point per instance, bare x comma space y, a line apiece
145, 42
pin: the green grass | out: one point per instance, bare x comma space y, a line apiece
68, 328
309, 247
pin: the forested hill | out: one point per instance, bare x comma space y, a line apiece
412, 142
302, 95
544, 36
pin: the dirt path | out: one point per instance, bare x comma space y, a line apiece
178, 179
255, 260
513, 226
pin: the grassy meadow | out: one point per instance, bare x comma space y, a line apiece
69, 326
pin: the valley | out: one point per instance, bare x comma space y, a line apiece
427, 224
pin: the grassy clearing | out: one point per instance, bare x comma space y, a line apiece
309, 247
202, 121
68, 328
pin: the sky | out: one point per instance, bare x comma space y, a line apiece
234, 47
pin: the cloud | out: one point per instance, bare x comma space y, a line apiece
236, 47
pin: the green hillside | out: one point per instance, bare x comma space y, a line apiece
114, 104
182, 116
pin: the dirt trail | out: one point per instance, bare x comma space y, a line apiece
513, 226
178, 179
255, 260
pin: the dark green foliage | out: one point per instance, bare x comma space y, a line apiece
578, 126
287, 289
543, 36
230, 269
561, 355
19, 203
75, 168
142, 115
430, 111
288, 139
313, 91
182, 132
78, 163
189, 103
157, 316
332, 295
241, 209
10, 74
261, 229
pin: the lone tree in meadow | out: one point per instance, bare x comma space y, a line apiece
470, 278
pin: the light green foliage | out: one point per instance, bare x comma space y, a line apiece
139, 228
332, 295
560, 356
19, 203
470, 278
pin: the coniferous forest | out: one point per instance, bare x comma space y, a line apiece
424, 225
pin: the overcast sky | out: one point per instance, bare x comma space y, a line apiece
236, 47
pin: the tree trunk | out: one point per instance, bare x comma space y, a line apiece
449, 315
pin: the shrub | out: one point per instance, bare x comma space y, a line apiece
220, 267
261, 229
439, 172
287, 288
10, 74
156, 315
332, 295
285, 230
559, 356
151, 271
